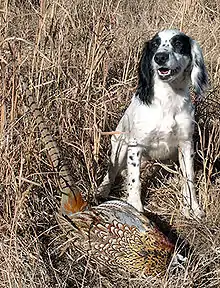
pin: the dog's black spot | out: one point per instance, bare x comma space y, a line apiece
133, 180
181, 44
145, 71
134, 164
138, 153
202, 79
131, 158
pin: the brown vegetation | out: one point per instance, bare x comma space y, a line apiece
82, 56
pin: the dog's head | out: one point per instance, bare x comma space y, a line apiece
171, 56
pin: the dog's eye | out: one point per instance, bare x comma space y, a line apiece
155, 45
178, 44
181, 44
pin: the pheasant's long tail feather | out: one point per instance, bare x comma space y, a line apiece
72, 200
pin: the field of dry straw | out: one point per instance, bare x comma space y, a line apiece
82, 58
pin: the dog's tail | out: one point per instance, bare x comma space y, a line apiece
72, 200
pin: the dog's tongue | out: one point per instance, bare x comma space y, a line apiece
164, 71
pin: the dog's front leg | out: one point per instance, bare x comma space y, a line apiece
117, 163
133, 180
190, 203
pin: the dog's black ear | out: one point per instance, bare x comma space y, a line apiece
199, 74
145, 72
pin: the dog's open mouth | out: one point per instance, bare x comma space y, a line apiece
164, 72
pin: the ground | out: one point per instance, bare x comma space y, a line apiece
82, 58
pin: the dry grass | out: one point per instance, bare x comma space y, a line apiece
82, 57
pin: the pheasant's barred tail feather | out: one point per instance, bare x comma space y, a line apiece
72, 200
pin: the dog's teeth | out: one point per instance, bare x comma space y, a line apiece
163, 72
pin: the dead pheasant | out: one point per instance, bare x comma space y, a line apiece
118, 236
115, 233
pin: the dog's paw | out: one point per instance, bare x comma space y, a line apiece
193, 212
198, 213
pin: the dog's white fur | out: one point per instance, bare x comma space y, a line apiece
159, 120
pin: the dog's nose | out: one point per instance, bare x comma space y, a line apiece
161, 57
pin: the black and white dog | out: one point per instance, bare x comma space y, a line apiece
160, 119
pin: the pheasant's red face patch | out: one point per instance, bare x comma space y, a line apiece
75, 203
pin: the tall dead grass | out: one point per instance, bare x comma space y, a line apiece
82, 56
